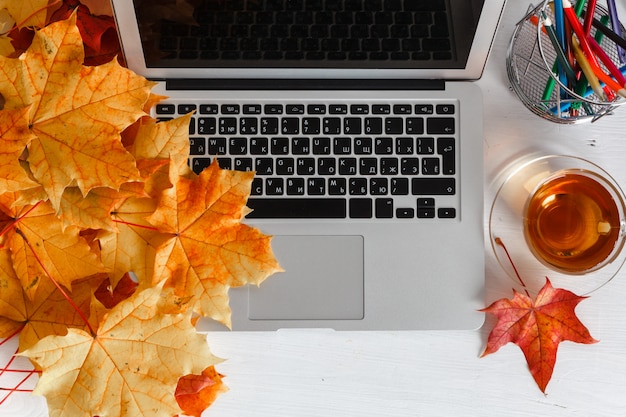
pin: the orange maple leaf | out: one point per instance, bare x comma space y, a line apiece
195, 393
130, 366
77, 112
538, 327
208, 249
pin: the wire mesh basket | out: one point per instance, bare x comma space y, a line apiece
532, 67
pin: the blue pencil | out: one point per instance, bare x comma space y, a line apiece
559, 28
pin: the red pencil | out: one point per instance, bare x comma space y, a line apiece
591, 9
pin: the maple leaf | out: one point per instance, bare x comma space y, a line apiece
195, 393
538, 327
77, 112
27, 12
14, 136
208, 249
97, 28
110, 297
164, 140
130, 367
41, 246
49, 313
129, 249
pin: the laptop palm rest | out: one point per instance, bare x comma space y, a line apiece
323, 280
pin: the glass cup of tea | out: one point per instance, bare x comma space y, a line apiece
559, 217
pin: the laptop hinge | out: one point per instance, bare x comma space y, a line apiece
304, 84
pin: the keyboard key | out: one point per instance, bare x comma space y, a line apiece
384, 208
332, 126
295, 186
445, 109
337, 186
361, 208
209, 109
316, 186
359, 109
252, 109
433, 186
440, 126
405, 213
424, 109
186, 108
230, 108
399, 186
273, 109
295, 108
445, 148
165, 109
338, 109
363, 146
381, 109
316, 109
357, 186
274, 186
297, 208
197, 146
311, 126
446, 213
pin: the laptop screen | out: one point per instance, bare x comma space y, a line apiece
284, 34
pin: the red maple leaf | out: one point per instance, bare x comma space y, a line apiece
538, 327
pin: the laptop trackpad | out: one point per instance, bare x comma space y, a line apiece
323, 279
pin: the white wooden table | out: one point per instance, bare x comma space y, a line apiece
298, 373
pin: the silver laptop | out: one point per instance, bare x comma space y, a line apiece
365, 132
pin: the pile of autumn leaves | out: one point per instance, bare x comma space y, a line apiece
91, 188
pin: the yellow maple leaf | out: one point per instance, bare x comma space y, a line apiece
27, 12
130, 367
77, 112
14, 136
41, 247
128, 249
49, 313
208, 249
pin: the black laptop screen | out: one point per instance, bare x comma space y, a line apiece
387, 34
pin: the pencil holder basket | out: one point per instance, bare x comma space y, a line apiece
540, 78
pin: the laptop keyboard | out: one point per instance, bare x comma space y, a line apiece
332, 161
312, 30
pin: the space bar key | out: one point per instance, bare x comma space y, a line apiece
297, 208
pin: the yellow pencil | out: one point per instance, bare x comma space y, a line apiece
587, 70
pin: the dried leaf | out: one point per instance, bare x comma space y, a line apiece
538, 327
195, 393
27, 12
48, 314
129, 368
41, 247
208, 249
77, 112
14, 137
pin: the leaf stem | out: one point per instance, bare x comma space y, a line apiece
141, 226
499, 242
